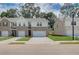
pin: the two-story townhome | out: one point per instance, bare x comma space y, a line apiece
23, 27
63, 26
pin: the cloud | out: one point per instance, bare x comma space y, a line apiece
44, 7
57, 13
2, 9
50, 7
6, 6
61, 4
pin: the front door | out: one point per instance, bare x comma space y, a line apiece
13, 32
29, 32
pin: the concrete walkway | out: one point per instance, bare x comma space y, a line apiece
40, 40
9, 40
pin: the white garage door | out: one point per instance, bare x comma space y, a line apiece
21, 33
39, 33
4, 33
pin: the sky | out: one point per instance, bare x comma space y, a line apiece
45, 7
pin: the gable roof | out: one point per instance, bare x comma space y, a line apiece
22, 19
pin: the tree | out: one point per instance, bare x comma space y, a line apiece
50, 16
68, 8
42, 15
28, 10
3, 14
37, 12
11, 13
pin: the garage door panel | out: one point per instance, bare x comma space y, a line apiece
21, 33
4, 33
39, 33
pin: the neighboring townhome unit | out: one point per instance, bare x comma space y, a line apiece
23, 27
63, 26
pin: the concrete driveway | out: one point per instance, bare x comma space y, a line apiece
40, 40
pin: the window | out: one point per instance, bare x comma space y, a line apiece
29, 24
14, 24
5, 23
40, 23
11, 23
19, 24
37, 23
24, 24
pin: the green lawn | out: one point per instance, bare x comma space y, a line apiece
24, 39
21, 41
4, 38
69, 42
60, 38
18, 42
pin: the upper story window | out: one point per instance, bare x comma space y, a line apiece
5, 24
39, 23
24, 24
29, 24
14, 24
19, 24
